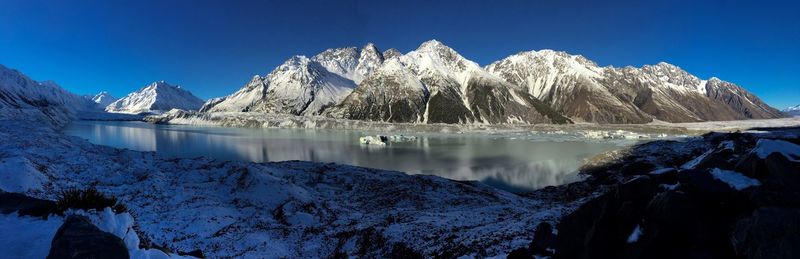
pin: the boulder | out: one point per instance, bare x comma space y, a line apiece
770, 232
780, 182
600, 228
543, 240
79, 238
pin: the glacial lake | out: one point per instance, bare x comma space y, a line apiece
511, 162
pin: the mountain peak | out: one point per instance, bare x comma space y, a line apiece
370, 47
391, 53
159, 96
433, 45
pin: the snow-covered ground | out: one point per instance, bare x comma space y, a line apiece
285, 209
25, 236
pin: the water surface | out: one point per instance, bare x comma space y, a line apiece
507, 162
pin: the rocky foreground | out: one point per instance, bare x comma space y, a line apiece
723, 196
268, 210
715, 196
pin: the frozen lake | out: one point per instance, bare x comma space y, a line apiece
512, 162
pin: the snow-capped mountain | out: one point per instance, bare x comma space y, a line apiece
22, 97
793, 110
391, 53
434, 84
155, 98
304, 86
101, 99
580, 89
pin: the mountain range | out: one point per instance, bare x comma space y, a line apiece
435, 84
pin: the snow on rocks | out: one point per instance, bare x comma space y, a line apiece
401, 138
694, 162
373, 140
382, 140
121, 225
17, 174
734, 179
285, 209
765, 147
637, 232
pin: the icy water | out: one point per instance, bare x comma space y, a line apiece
508, 162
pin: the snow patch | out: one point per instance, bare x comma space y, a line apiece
734, 179
27, 237
765, 147
694, 162
17, 174
635, 235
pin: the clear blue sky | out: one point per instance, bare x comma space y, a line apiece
213, 47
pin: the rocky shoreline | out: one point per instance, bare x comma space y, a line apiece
725, 195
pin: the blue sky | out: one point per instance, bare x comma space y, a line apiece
213, 47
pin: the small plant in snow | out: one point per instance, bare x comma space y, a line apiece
87, 199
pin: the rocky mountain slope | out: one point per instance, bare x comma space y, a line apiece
155, 98
580, 89
26, 99
434, 84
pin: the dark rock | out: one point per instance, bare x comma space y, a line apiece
678, 226
601, 227
779, 184
769, 233
722, 158
782, 171
752, 166
670, 176
637, 168
195, 253
25, 206
701, 181
79, 238
701, 217
520, 253
542, 240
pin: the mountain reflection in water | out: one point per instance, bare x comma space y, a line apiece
504, 162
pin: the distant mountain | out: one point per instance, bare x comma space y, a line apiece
101, 99
22, 97
793, 110
580, 89
155, 98
304, 86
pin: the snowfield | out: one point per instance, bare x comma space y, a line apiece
285, 209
